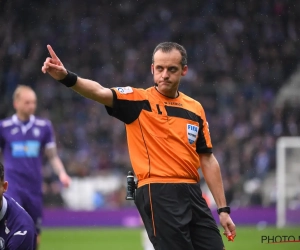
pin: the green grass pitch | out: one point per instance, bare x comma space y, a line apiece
248, 238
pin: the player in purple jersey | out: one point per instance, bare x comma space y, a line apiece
17, 229
23, 140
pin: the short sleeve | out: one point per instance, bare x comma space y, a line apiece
49, 137
128, 103
203, 144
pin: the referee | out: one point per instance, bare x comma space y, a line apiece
168, 140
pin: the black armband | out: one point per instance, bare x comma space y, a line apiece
70, 79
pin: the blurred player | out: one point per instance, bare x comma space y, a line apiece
23, 139
17, 229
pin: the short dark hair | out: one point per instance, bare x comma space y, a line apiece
168, 46
1, 172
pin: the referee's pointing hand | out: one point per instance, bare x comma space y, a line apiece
53, 66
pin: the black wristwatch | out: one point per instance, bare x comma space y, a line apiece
223, 209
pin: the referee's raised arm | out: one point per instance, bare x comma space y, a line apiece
87, 88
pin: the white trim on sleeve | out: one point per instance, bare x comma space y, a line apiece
50, 145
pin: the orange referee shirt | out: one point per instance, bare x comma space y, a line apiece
164, 134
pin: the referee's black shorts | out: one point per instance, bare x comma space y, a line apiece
177, 217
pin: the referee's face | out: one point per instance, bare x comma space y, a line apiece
167, 71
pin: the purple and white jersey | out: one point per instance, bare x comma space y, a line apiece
17, 230
22, 146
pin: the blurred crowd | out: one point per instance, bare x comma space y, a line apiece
240, 53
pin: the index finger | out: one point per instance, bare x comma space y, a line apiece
51, 51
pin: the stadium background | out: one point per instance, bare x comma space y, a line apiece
240, 55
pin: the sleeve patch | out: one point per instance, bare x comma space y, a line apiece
124, 90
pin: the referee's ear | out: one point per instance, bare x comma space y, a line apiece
184, 70
152, 68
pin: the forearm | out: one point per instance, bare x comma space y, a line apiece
92, 90
212, 175
57, 165
87, 88
55, 161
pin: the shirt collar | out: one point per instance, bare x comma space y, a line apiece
25, 127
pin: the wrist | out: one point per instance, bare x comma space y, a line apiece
225, 209
70, 79
61, 172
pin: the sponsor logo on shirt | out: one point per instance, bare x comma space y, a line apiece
192, 133
28, 148
174, 104
125, 90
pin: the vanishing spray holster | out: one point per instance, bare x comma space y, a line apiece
131, 186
